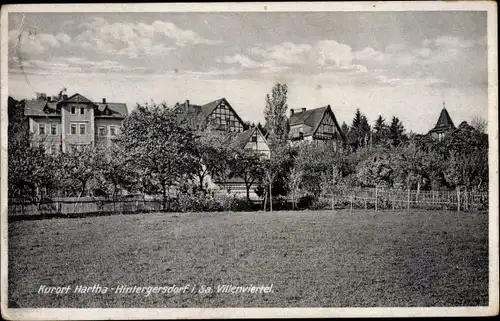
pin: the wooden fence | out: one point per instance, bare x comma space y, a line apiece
78, 207
397, 199
354, 198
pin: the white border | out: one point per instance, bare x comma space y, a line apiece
113, 313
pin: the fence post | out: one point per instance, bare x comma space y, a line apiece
466, 205
352, 199
333, 203
408, 198
376, 198
458, 199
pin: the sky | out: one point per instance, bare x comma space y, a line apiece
403, 64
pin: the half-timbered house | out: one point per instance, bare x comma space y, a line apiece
315, 125
219, 117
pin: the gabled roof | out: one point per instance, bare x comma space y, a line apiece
199, 113
313, 118
243, 137
50, 109
444, 122
77, 98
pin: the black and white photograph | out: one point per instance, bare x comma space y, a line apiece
244, 160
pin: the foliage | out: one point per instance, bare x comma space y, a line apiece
161, 147
30, 169
359, 133
78, 167
380, 131
248, 165
116, 170
275, 114
212, 154
396, 132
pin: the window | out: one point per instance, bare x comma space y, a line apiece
53, 130
73, 129
112, 130
73, 110
82, 129
82, 110
254, 138
101, 131
41, 129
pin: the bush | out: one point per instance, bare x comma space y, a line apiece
320, 204
209, 203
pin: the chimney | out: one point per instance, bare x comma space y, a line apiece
104, 100
291, 112
303, 109
186, 105
65, 96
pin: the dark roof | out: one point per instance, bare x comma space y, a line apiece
199, 113
116, 110
444, 122
313, 118
208, 108
35, 108
50, 109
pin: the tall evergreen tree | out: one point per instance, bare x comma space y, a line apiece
396, 131
380, 130
359, 133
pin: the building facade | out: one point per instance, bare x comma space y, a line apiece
317, 125
60, 124
443, 126
220, 117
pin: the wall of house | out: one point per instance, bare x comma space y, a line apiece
49, 140
106, 123
295, 129
260, 145
87, 120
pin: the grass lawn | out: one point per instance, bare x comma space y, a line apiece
341, 259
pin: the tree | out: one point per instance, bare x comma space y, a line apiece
480, 124
116, 169
248, 165
212, 156
28, 164
275, 115
359, 133
466, 151
396, 131
162, 148
276, 169
78, 167
381, 130
344, 128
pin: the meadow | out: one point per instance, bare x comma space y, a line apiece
311, 258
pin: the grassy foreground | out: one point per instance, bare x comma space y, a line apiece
341, 259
